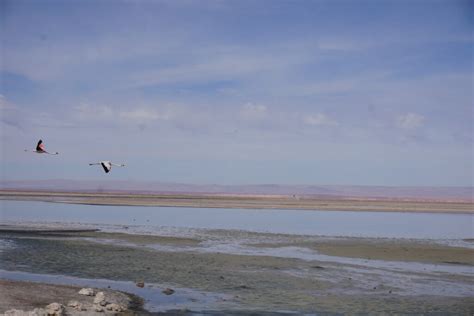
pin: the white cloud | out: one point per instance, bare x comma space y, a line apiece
252, 111
10, 114
143, 115
319, 119
94, 112
122, 115
5, 104
410, 121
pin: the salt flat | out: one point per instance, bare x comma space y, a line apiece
246, 201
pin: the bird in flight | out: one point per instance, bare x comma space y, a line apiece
107, 165
40, 149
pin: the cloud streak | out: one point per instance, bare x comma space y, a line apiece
252, 111
410, 121
319, 119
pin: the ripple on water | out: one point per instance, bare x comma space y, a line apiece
6, 244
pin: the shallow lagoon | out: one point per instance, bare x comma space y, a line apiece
299, 222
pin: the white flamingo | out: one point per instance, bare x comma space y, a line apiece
107, 165
40, 149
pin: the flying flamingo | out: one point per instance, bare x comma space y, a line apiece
107, 165
40, 149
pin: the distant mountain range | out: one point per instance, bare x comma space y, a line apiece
323, 191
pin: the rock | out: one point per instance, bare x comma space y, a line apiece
99, 299
168, 291
87, 291
73, 303
140, 284
76, 305
55, 309
115, 307
317, 267
98, 308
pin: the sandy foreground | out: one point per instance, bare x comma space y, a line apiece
28, 296
246, 201
235, 272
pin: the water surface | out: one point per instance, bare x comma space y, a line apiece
300, 222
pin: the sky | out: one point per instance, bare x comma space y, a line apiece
239, 92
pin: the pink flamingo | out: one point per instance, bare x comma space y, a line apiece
40, 149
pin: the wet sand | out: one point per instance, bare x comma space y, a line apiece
378, 275
245, 201
386, 249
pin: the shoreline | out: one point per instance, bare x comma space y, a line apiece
244, 201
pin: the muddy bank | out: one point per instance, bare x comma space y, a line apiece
31, 231
252, 282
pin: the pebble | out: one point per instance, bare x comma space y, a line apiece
76, 305
168, 291
114, 307
317, 267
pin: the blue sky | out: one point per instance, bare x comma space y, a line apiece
239, 92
